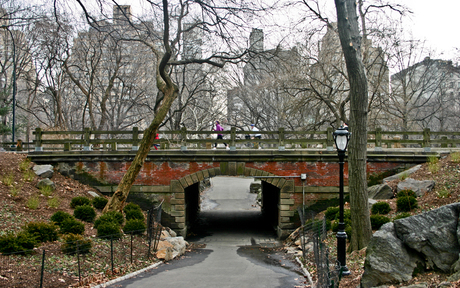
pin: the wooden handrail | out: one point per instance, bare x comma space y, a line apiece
185, 139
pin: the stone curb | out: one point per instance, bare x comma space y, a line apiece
128, 276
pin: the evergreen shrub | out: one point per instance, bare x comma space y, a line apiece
110, 217
380, 208
71, 225
75, 242
21, 243
60, 216
331, 212
99, 202
134, 226
42, 231
109, 230
85, 213
378, 220
79, 201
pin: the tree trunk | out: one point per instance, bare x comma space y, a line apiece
350, 40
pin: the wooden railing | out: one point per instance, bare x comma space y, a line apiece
88, 140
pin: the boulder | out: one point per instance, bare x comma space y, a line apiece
382, 191
45, 183
165, 251
44, 171
178, 245
437, 240
388, 260
402, 174
419, 187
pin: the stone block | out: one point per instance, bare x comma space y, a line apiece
179, 207
177, 201
284, 207
195, 178
240, 168
179, 195
286, 213
232, 168
287, 201
176, 186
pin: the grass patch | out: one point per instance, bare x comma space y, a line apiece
433, 164
46, 190
8, 179
455, 157
54, 202
33, 202
443, 193
15, 189
25, 164
29, 175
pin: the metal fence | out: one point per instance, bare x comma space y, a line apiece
313, 241
78, 265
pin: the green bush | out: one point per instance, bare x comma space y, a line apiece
85, 213
131, 206
406, 203
74, 242
109, 230
134, 214
110, 217
99, 202
331, 212
79, 201
134, 226
71, 225
60, 216
378, 220
380, 208
42, 231
402, 215
408, 192
22, 243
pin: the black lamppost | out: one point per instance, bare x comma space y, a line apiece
341, 138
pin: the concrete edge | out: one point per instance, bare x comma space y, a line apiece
127, 276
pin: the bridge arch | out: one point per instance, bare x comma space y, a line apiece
277, 197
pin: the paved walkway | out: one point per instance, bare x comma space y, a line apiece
235, 238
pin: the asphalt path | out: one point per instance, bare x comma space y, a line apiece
240, 249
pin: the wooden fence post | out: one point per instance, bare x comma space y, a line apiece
378, 139
38, 139
281, 144
135, 145
426, 140
444, 142
232, 138
183, 139
329, 140
87, 137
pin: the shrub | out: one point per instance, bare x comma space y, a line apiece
23, 242
24, 164
331, 212
134, 214
79, 201
99, 202
402, 215
42, 231
71, 225
408, 192
406, 203
59, 216
134, 226
15, 189
111, 217
380, 208
85, 213
131, 206
46, 190
378, 220
74, 242
433, 164
109, 230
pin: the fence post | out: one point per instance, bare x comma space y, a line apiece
426, 140
38, 139
232, 139
281, 142
87, 138
111, 251
444, 142
43, 268
378, 139
183, 139
329, 140
135, 146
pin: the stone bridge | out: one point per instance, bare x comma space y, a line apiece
175, 176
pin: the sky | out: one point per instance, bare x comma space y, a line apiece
436, 22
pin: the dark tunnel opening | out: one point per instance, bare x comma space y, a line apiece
230, 214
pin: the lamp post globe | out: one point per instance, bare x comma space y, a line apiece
341, 139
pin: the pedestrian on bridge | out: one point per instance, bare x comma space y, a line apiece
220, 136
256, 135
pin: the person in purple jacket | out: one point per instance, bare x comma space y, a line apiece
219, 136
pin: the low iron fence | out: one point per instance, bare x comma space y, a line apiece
315, 250
79, 263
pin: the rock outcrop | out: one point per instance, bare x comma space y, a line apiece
382, 191
419, 187
409, 245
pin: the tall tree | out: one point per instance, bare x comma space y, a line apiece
350, 39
